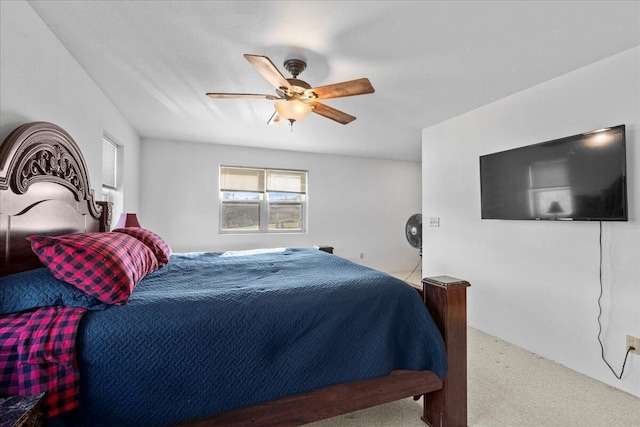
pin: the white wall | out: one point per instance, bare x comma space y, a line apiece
535, 284
356, 205
41, 81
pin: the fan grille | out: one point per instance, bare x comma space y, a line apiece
413, 231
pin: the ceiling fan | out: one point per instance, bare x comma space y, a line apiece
296, 98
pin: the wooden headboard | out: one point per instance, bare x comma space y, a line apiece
44, 189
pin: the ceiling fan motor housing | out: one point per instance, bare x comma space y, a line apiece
298, 87
295, 66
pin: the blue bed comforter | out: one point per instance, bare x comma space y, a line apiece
208, 333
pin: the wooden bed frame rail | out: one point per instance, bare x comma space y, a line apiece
327, 402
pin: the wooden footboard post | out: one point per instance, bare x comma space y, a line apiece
446, 299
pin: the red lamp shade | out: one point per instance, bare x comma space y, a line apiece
127, 220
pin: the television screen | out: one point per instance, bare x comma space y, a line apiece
580, 177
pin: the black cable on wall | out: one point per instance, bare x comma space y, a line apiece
600, 315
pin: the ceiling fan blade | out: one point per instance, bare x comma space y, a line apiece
275, 118
268, 70
331, 113
350, 88
240, 95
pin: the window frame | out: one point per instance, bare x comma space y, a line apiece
264, 201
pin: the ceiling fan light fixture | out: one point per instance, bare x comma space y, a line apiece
293, 109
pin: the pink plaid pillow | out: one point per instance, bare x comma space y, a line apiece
106, 266
159, 247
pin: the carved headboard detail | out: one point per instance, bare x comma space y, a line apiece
44, 189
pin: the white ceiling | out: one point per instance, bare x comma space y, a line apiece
428, 62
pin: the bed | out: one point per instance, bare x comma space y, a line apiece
284, 336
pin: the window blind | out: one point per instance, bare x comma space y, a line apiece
109, 159
282, 181
241, 179
254, 180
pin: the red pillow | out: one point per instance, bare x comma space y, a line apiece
159, 247
104, 265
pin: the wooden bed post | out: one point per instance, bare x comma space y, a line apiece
446, 299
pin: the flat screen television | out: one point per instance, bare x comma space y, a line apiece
580, 178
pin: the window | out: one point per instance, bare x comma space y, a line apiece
109, 160
262, 200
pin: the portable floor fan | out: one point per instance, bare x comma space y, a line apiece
413, 231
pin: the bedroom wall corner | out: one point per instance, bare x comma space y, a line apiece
41, 81
536, 283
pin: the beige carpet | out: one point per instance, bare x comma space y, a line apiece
511, 387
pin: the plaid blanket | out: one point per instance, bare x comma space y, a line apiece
37, 355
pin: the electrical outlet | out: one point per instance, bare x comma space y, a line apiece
434, 221
633, 342
361, 255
